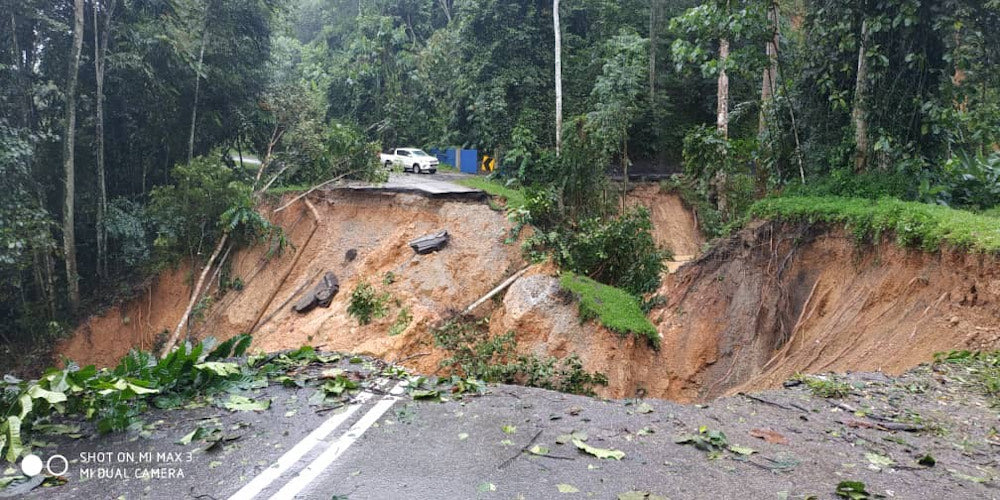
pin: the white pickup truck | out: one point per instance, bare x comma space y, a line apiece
411, 159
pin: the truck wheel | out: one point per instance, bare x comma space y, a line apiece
388, 165
416, 168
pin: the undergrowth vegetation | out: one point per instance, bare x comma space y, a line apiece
512, 196
615, 309
115, 398
473, 353
367, 303
913, 224
981, 370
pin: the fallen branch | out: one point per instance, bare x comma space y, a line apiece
307, 193
169, 346
495, 291
768, 402
285, 303
526, 447
291, 267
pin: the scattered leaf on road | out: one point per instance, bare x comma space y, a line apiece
567, 488
852, 490
741, 450
509, 429
539, 450
599, 452
645, 408
639, 495
242, 403
462, 436
485, 487
768, 435
879, 460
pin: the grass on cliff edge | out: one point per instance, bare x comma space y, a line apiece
615, 308
514, 197
915, 224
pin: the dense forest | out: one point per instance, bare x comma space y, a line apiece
124, 123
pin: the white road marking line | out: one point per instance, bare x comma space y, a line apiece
313, 470
292, 456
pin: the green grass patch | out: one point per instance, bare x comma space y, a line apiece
514, 198
615, 308
914, 224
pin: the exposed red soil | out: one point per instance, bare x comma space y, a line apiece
775, 300
377, 227
674, 226
766, 303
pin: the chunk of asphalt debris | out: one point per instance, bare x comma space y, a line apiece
321, 295
430, 243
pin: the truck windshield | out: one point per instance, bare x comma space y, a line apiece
418, 152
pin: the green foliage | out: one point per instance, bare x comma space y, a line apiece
613, 307
981, 370
402, 322
367, 303
617, 92
186, 214
914, 224
743, 23
620, 252
869, 185
852, 490
969, 181
825, 387
719, 170
475, 354
126, 223
116, 398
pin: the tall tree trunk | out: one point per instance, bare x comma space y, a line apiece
100, 56
654, 18
722, 107
197, 84
446, 7
557, 30
860, 113
768, 85
69, 240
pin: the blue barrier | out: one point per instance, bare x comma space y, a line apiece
469, 161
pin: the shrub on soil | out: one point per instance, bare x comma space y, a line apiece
367, 304
616, 309
475, 354
620, 252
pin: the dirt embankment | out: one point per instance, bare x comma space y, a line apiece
777, 299
770, 301
377, 227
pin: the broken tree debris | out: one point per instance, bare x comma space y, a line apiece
430, 243
321, 296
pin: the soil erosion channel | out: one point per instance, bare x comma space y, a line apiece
767, 302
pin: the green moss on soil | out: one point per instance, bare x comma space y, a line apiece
615, 308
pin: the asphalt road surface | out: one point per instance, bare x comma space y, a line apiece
437, 185
512, 442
